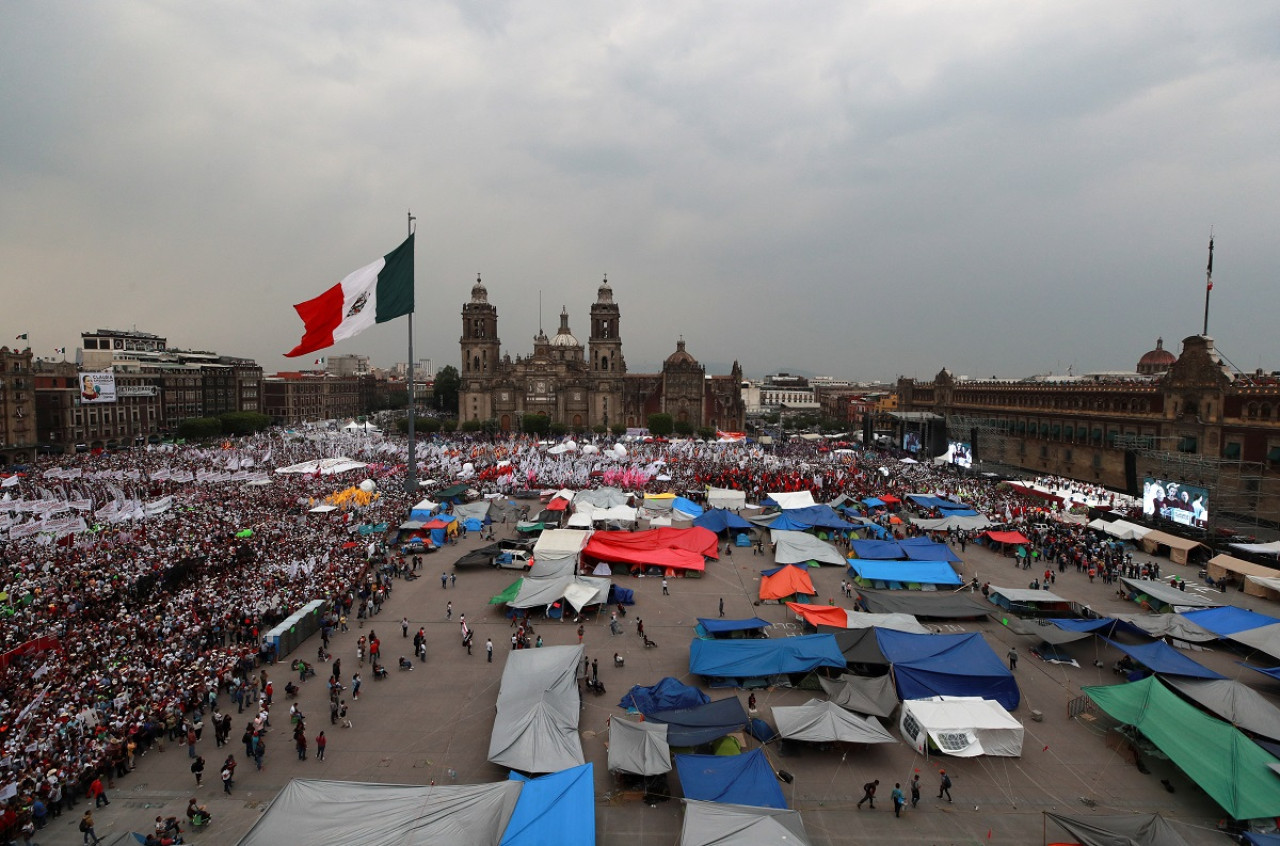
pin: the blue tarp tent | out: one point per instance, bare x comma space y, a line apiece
1160, 657
750, 659
686, 506
471, 524
554, 810
877, 550
1228, 620
927, 665
666, 695
905, 572
702, 723
816, 516
734, 779
785, 522
719, 519
715, 627
1272, 672
621, 596
873, 502
923, 549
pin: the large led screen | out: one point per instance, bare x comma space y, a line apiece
1177, 502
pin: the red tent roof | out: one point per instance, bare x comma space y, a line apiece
558, 504
608, 545
1006, 537
888, 498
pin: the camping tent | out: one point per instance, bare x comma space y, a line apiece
931, 665
1166, 625
859, 648
782, 582
337, 813
1218, 757
580, 591
964, 726
554, 810
896, 575
873, 695
752, 659
1160, 596
932, 606
725, 498
923, 549
536, 727
638, 748
1180, 549
701, 723
1237, 703
718, 519
666, 695
735, 779
1160, 657
721, 824
798, 547
821, 721
841, 618
1119, 829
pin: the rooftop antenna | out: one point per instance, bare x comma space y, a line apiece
1208, 288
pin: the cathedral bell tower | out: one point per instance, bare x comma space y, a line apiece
480, 347
605, 340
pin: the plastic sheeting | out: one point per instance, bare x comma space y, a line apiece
1264, 639
1229, 620
1166, 625
820, 721
789, 500
701, 723
338, 813
748, 659
1237, 703
721, 824
962, 726
638, 748
957, 523
554, 810
874, 695
668, 694
536, 727
714, 626
905, 572
798, 547
782, 582
726, 498
578, 590
925, 666
735, 779
1119, 829
934, 606
718, 520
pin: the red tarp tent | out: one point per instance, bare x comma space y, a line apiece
821, 615
680, 549
1005, 537
787, 581
888, 499
558, 504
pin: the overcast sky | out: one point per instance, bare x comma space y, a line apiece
855, 189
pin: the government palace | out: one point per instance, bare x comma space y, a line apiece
585, 386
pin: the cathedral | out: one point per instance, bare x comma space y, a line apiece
583, 387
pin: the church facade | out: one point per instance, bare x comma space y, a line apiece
584, 386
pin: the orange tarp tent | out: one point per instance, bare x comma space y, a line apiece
821, 615
786, 581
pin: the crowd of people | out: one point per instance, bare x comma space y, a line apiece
147, 625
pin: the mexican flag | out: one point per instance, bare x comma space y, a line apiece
375, 293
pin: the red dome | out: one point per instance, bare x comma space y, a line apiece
1158, 360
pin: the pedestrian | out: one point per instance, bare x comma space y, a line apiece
453, 580
321, 743
751, 704
448, 611
300, 739
898, 799
98, 792
722, 606
197, 769
869, 793
404, 626
640, 627
191, 742
581, 632
488, 649
944, 786
355, 687
226, 780
86, 828
915, 790
333, 711
444, 581
1013, 657
595, 671
665, 592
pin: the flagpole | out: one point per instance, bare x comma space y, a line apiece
411, 472
1208, 288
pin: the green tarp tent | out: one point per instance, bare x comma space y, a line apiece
509, 594
1218, 757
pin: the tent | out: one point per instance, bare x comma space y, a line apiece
923, 549
686, 508
337, 813
718, 628
872, 695
536, 727
1219, 758
1180, 549
1014, 538
931, 665
1251, 576
877, 550
718, 520
752, 659
811, 517
638, 748
782, 582
666, 695
1122, 529
665, 547
701, 723
859, 647
1166, 625
554, 810
789, 500
725, 498
1160, 657
1264, 639
1027, 601
736, 779
830, 615
580, 591
899, 574
606, 497
556, 552
1159, 596
1119, 829
821, 721
1229, 620
721, 824
964, 726
798, 547
957, 522
1237, 703
424, 510
932, 606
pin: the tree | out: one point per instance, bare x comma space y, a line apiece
661, 424
683, 428
618, 429
445, 392
199, 428
243, 422
472, 425
558, 429
707, 433
535, 424
449, 424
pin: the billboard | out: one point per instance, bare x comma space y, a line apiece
959, 453
97, 387
1186, 505
911, 441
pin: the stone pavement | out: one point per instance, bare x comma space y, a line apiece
434, 723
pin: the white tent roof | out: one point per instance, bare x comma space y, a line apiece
1027, 596
560, 543
942, 524
896, 622
639, 748
325, 466
536, 727
534, 591
324, 509
426, 505
796, 547
823, 722
1124, 530
964, 726
726, 498
579, 521
788, 500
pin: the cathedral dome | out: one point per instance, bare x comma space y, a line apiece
479, 293
605, 293
681, 356
564, 338
1158, 360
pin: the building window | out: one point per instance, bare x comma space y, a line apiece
1231, 451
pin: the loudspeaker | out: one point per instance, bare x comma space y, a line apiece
1131, 473
973, 445
868, 430
936, 435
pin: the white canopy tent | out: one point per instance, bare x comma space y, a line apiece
964, 726
787, 500
726, 498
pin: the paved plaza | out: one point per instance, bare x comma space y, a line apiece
433, 723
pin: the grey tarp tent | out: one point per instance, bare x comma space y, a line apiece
338, 813
601, 498
874, 695
821, 721
1159, 595
722, 824
970, 523
937, 606
638, 748
799, 547
1119, 829
1264, 639
1234, 702
578, 590
536, 727
859, 646
1168, 625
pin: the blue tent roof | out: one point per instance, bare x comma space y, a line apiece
735, 659
663, 696
816, 516
719, 519
1261, 839
1228, 620
686, 506
773, 570
1160, 657
554, 810
926, 665
927, 551
786, 522
734, 779
907, 572
471, 524
872, 502
701, 723
877, 550
716, 626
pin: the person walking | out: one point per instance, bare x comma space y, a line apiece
1013, 657
197, 769
448, 611
665, 592
722, 606
355, 687
226, 780
86, 828
915, 790
404, 626
98, 792
581, 632
898, 799
944, 785
444, 581
488, 648
321, 743
869, 794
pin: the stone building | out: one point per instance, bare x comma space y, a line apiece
584, 386
17, 407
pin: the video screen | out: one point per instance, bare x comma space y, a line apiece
959, 453
1179, 503
911, 441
